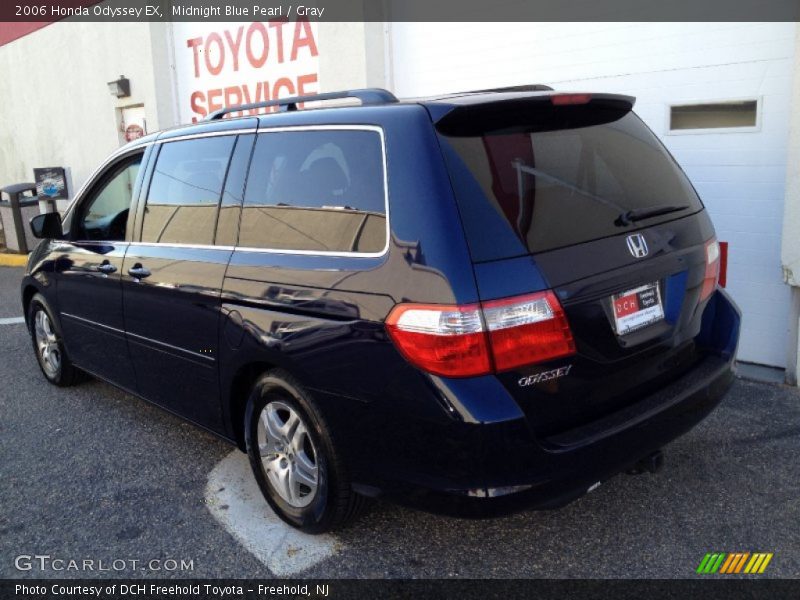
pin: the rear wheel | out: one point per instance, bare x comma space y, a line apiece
48, 343
294, 457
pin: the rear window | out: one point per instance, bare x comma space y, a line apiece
521, 191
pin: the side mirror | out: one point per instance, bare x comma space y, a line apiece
47, 226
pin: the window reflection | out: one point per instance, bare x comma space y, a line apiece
316, 191
185, 191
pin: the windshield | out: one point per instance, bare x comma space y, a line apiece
522, 191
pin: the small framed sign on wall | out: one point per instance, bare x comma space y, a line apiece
51, 183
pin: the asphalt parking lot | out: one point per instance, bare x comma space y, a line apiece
92, 472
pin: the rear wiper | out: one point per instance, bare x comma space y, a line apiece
639, 214
523, 168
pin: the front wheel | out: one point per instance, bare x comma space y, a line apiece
48, 343
294, 458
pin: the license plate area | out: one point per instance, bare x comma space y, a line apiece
637, 308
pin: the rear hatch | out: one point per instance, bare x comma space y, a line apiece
573, 193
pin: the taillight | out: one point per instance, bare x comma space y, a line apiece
723, 264
446, 340
711, 276
464, 341
526, 330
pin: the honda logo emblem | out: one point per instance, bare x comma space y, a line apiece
637, 245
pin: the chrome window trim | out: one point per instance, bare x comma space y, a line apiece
95, 242
245, 249
313, 252
177, 245
341, 127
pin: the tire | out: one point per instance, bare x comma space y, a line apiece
290, 448
48, 344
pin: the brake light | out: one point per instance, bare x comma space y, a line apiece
446, 340
711, 277
723, 264
470, 340
567, 99
526, 330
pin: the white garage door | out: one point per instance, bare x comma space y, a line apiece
738, 169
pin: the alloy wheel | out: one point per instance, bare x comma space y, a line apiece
47, 344
287, 454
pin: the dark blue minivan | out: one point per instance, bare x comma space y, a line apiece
483, 300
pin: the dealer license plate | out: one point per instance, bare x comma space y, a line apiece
637, 308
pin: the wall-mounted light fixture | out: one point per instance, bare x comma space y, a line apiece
120, 88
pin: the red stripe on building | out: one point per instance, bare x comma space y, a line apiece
12, 29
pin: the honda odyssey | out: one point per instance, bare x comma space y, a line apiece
494, 298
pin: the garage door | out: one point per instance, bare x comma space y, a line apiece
717, 94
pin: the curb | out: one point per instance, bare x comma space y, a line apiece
13, 260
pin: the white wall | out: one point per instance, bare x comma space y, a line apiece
352, 55
56, 108
740, 176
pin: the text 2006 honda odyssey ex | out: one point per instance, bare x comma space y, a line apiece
497, 297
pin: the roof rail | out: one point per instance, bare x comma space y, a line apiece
532, 87
367, 96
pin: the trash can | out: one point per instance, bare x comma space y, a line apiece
18, 205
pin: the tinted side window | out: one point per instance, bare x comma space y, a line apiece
105, 216
184, 192
316, 191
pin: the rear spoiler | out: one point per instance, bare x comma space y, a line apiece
528, 112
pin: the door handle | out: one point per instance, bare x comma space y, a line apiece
107, 268
138, 271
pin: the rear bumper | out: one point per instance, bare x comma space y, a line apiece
510, 469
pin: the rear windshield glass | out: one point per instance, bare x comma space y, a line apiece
522, 192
